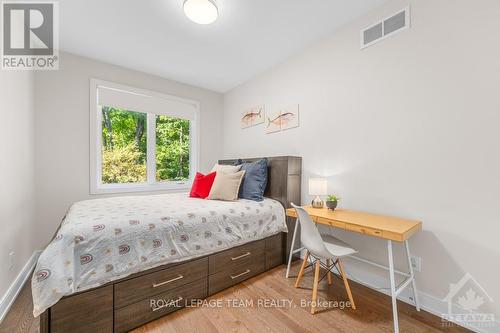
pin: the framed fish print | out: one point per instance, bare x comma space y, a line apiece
273, 122
284, 119
290, 117
253, 116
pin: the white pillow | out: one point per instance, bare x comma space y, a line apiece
226, 169
226, 186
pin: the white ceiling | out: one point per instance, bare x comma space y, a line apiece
154, 36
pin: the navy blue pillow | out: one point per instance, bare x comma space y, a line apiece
254, 181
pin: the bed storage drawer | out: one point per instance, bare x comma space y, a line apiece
274, 251
90, 311
235, 274
155, 306
241, 255
139, 288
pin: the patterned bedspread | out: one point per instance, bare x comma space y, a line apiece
108, 239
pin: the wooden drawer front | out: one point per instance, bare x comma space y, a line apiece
274, 251
90, 311
139, 288
151, 308
231, 258
332, 223
234, 275
364, 230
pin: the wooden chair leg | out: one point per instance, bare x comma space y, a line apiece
302, 268
328, 263
315, 288
346, 284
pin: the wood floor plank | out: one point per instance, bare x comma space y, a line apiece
373, 313
272, 317
20, 318
342, 321
269, 288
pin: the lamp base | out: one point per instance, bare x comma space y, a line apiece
317, 202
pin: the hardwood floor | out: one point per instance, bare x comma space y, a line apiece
20, 317
373, 312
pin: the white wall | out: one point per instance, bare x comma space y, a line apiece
17, 183
62, 130
407, 127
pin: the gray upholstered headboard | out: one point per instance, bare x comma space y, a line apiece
283, 184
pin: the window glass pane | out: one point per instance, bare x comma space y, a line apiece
172, 148
124, 146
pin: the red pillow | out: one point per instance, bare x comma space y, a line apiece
202, 185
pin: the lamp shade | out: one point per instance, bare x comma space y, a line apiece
318, 186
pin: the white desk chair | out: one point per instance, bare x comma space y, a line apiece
320, 247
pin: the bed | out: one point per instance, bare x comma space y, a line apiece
118, 263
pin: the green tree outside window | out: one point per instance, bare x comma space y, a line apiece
124, 147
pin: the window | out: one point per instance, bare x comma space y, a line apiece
141, 140
124, 146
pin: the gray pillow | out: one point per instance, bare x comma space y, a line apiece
254, 181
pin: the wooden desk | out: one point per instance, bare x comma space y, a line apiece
384, 227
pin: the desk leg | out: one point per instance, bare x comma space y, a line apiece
412, 276
393, 288
291, 248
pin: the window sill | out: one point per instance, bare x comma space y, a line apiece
143, 187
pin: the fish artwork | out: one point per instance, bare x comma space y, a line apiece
284, 119
253, 117
281, 120
248, 117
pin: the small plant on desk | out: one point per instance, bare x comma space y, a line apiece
331, 201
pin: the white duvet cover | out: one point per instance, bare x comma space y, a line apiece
108, 239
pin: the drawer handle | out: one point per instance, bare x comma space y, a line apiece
168, 304
241, 274
168, 281
242, 256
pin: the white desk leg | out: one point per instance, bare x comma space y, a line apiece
412, 276
393, 287
291, 247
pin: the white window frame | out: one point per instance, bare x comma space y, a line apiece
96, 185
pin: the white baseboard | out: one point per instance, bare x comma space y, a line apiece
16, 286
429, 303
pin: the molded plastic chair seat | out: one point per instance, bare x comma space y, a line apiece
337, 247
319, 247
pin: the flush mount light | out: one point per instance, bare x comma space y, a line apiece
201, 11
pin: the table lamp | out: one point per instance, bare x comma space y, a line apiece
317, 187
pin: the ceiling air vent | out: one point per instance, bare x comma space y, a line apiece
385, 28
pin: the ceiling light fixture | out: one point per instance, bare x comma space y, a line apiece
201, 11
